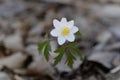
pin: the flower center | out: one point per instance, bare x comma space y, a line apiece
65, 31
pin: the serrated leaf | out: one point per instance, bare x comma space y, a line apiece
60, 50
78, 33
46, 37
74, 44
47, 49
41, 46
70, 59
58, 58
77, 51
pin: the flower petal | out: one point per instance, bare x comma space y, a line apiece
70, 38
56, 23
74, 29
70, 23
61, 40
64, 20
54, 32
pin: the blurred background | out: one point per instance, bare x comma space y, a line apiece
24, 23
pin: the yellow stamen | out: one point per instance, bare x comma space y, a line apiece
65, 31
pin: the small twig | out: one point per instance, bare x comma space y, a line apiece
115, 70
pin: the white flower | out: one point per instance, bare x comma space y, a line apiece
64, 30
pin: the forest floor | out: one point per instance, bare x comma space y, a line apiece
24, 23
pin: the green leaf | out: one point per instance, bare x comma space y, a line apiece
41, 46
78, 33
60, 50
46, 37
77, 51
74, 44
47, 50
70, 59
58, 58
